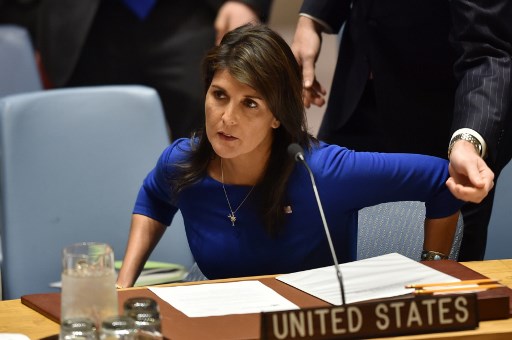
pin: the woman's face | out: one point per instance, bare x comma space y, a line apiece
238, 120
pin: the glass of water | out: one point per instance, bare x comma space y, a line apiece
88, 282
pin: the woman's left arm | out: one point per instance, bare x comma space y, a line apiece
439, 235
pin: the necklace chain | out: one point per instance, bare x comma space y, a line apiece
231, 216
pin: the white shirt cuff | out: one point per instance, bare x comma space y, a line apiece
326, 27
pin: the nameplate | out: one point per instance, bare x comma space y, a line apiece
389, 317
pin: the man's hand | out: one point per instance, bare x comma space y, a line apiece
231, 15
470, 177
306, 48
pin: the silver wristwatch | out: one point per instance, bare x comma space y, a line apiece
467, 137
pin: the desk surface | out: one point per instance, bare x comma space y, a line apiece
18, 318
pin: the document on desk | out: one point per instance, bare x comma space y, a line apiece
215, 299
373, 278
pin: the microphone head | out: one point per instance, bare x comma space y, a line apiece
296, 151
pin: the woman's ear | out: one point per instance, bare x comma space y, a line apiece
276, 124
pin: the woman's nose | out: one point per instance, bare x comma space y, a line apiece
229, 115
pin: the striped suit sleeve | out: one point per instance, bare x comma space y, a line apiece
482, 34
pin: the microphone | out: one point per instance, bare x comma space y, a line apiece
297, 152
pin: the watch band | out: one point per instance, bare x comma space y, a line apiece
430, 255
467, 137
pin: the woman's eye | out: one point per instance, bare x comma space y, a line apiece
251, 103
219, 94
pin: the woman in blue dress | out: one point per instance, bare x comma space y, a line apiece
248, 208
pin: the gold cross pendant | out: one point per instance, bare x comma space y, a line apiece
232, 217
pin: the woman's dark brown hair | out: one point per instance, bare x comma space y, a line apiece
257, 56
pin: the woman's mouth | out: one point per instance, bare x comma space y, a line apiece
226, 136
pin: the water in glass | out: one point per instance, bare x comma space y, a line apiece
88, 282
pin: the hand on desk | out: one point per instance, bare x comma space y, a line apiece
470, 177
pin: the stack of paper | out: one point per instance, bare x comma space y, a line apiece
373, 278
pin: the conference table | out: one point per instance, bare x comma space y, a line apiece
15, 317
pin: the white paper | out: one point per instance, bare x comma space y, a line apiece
373, 278
13, 336
215, 299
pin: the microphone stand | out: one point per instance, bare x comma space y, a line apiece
299, 156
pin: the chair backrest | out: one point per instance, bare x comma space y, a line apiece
18, 69
72, 161
396, 227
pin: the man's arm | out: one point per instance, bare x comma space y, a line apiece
233, 14
483, 36
330, 13
316, 17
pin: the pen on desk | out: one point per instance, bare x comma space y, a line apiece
457, 283
475, 287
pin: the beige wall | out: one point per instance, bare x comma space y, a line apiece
284, 12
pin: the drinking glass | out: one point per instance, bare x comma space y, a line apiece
77, 329
120, 327
88, 282
145, 312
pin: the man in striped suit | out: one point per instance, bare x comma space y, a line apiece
482, 119
394, 89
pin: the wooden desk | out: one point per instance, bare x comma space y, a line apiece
492, 330
17, 318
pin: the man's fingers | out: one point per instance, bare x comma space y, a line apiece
308, 72
466, 193
475, 177
312, 96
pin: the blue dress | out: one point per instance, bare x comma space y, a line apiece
346, 181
